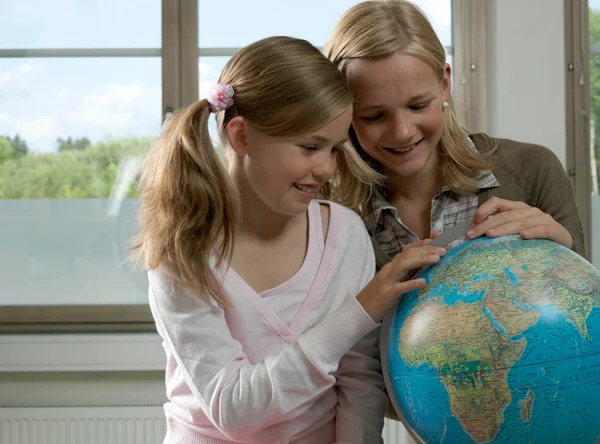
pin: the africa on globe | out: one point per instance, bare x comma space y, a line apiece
501, 345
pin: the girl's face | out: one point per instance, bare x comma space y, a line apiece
285, 175
398, 115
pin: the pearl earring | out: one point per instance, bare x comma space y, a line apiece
444, 104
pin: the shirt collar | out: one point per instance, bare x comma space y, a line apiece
378, 203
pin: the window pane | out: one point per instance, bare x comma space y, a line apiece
47, 99
309, 19
80, 24
68, 252
594, 38
72, 135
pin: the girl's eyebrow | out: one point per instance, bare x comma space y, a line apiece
416, 98
322, 139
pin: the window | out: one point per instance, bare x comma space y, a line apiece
83, 90
80, 88
312, 20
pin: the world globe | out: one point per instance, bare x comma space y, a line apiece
501, 345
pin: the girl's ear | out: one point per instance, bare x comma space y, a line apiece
237, 133
447, 82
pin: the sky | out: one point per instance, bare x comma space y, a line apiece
43, 99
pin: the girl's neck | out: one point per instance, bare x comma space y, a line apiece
269, 247
417, 189
259, 221
412, 197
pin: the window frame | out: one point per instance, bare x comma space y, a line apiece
179, 29
578, 109
180, 83
470, 77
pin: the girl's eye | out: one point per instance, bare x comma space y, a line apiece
310, 147
372, 118
419, 106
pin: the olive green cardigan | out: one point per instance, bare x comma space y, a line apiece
531, 174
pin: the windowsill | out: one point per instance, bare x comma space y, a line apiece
81, 352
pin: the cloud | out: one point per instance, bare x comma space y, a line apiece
113, 107
17, 73
18, 79
33, 128
64, 96
99, 117
115, 94
204, 69
116, 109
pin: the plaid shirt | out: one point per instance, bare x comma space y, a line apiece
447, 209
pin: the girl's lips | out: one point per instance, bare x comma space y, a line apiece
306, 191
404, 150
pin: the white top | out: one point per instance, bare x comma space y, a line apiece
287, 298
243, 375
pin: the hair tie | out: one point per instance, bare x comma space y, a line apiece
220, 97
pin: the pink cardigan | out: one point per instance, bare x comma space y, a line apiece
242, 375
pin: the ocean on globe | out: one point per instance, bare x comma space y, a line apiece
501, 345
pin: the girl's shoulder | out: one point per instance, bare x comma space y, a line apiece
512, 151
336, 213
346, 231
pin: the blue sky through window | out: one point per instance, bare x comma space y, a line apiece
43, 99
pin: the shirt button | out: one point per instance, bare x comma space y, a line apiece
283, 439
288, 339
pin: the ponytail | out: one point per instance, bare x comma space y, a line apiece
189, 207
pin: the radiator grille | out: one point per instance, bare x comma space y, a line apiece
104, 425
82, 425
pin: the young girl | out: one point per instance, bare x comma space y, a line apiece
259, 290
437, 174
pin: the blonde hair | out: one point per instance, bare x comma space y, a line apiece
284, 87
378, 29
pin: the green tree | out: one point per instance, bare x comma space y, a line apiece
18, 145
6, 150
70, 145
71, 173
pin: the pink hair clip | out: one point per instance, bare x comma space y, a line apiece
220, 97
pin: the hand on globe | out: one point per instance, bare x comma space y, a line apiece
512, 217
393, 280
416, 244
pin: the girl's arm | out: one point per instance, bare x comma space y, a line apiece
241, 398
550, 211
361, 396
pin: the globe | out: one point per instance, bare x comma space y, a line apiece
501, 345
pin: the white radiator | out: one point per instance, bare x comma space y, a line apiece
82, 425
103, 425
